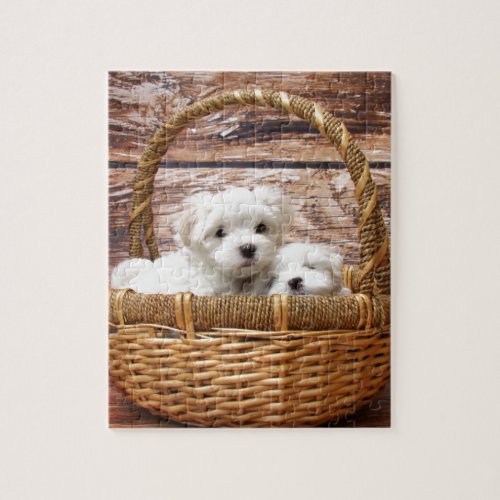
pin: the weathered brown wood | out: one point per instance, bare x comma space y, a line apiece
140, 102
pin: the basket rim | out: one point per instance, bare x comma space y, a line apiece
280, 313
229, 333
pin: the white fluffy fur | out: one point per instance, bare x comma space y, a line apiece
137, 274
211, 264
318, 269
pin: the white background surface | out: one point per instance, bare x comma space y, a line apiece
445, 439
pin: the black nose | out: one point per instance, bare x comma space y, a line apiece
248, 250
295, 283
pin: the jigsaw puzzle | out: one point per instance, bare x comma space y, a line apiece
249, 228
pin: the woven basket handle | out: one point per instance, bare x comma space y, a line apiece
374, 268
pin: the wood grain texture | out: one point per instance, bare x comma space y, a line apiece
140, 102
245, 147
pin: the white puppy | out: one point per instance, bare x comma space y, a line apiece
137, 274
229, 239
308, 269
168, 274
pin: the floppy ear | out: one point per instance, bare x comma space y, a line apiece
336, 259
184, 222
288, 211
337, 263
266, 195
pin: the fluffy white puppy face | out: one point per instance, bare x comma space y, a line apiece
308, 269
236, 231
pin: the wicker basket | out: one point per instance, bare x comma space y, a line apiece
255, 361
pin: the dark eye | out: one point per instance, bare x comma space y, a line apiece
220, 233
311, 267
261, 228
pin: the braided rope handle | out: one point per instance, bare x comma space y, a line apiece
374, 273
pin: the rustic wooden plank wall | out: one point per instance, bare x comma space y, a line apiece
140, 102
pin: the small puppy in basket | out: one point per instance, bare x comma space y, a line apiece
308, 269
228, 240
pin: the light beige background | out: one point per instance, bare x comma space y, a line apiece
446, 240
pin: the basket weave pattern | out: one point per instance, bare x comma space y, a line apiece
255, 361
288, 380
